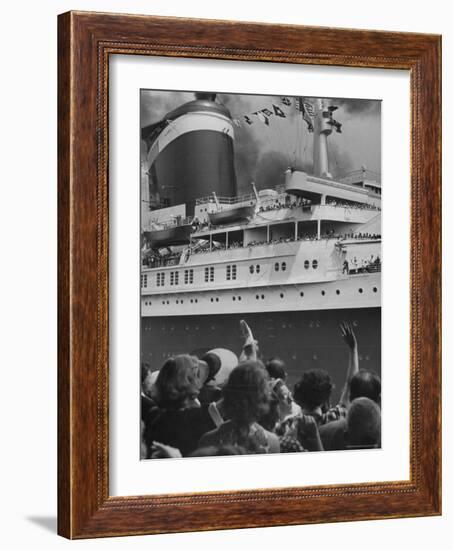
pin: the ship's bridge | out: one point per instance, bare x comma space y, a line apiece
320, 190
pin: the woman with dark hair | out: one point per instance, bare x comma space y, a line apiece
178, 420
246, 398
179, 382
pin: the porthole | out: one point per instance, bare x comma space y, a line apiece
283, 266
306, 264
177, 301
301, 294
257, 297
282, 295
212, 299
314, 264
360, 290
258, 268
239, 298
234, 298
262, 296
323, 292
216, 299
374, 289
337, 291
251, 269
276, 267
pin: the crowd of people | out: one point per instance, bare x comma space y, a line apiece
352, 205
219, 404
372, 264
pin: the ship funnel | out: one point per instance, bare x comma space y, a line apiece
191, 154
209, 96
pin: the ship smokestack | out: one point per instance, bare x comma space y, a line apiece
191, 154
209, 96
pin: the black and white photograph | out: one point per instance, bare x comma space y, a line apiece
260, 274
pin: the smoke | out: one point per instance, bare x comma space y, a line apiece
154, 105
263, 153
272, 167
340, 162
358, 106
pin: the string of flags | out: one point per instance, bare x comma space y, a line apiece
306, 109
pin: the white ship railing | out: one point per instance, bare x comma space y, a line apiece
225, 200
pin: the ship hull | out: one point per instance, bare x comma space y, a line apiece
303, 339
345, 292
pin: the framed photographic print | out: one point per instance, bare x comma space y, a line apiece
249, 275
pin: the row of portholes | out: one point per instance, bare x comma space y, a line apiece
254, 268
337, 292
314, 264
257, 297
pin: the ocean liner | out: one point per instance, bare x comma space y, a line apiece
293, 260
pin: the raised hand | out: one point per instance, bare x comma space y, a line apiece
348, 335
250, 347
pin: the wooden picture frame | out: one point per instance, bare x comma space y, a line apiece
85, 41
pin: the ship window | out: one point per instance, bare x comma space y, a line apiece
360, 290
258, 268
306, 264
211, 274
323, 292
301, 294
206, 274
172, 277
188, 276
144, 281
284, 266
314, 264
176, 277
277, 267
231, 272
160, 279
252, 268
337, 291
374, 289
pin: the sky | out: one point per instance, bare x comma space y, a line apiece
263, 153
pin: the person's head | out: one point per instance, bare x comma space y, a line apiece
220, 362
179, 381
246, 395
365, 383
145, 377
363, 424
276, 368
313, 389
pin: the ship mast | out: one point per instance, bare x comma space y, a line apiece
322, 129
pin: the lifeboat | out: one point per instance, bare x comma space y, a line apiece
175, 235
232, 215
